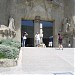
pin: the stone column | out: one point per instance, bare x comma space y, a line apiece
74, 27
55, 35
73, 38
73, 42
36, 27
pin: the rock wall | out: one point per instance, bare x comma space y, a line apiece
4, 11
69, 13
28, 9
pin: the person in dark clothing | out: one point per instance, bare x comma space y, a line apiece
60, 41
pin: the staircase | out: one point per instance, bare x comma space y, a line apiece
47, 60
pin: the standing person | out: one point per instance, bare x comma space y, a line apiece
60, 41
50, 41
24, 39
50, 44
37, 39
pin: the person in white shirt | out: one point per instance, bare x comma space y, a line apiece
24, 39
37, 38
50, 44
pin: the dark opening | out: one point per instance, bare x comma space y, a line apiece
47, 32
28, 26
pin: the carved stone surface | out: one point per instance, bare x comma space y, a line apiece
7, 32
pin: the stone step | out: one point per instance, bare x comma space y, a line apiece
47, 60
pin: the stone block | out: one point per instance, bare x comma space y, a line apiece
8, 62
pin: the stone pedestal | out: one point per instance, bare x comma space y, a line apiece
42, 45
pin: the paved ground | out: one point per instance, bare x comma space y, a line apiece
48, 61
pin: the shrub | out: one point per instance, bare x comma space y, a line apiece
2, 55
9, 48
9, 52
10, 42
16, 44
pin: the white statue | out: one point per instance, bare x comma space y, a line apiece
41, 33
66, 24
11, 24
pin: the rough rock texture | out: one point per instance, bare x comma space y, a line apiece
8, 62
28, 9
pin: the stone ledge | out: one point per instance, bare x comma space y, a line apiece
8, 62
42, 45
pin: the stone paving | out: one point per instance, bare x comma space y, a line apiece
43, 61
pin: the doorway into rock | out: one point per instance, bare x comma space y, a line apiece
28, 26
47, 32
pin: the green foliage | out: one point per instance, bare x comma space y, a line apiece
2, 55
9, 48
6, 42
10, 42
16, 44
9, 52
